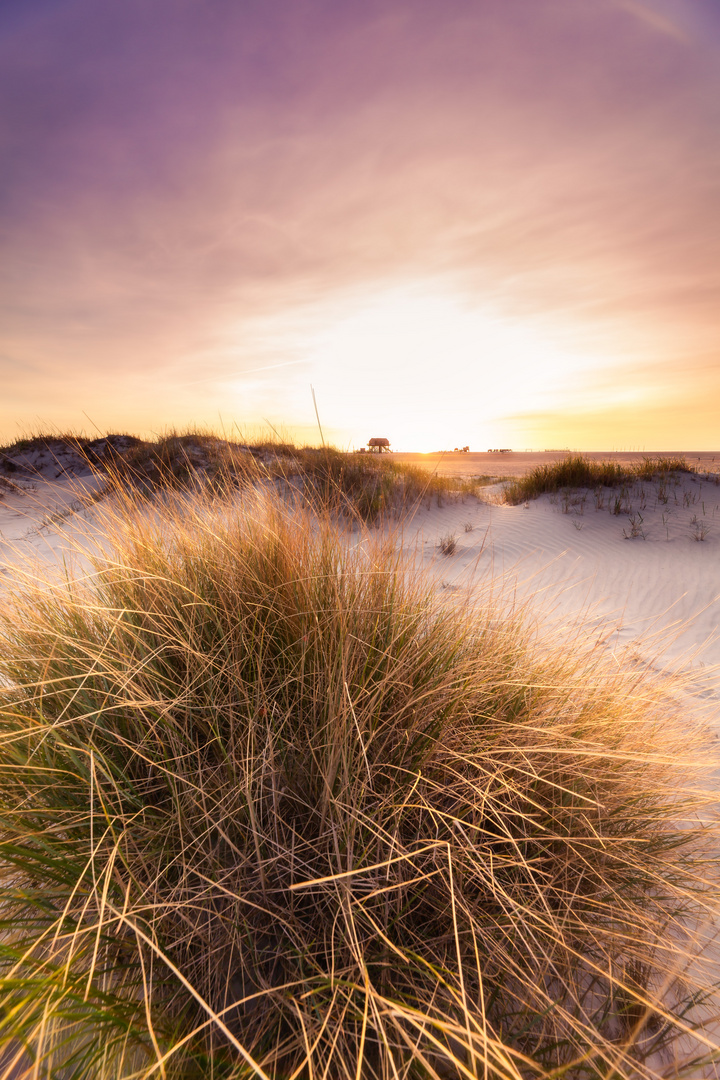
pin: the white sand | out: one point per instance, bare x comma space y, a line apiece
46, 521
657, 590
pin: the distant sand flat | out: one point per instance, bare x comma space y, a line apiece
519, 463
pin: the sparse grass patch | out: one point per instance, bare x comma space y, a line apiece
636, 527
270, 809
620, 504
577, 471
448, 544
699, 530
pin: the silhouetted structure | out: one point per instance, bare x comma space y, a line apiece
378, 445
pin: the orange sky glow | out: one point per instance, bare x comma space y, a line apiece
481, 222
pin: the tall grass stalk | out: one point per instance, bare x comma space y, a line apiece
269, 809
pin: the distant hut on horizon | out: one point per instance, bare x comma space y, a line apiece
378, 445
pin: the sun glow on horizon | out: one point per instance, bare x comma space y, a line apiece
430, 370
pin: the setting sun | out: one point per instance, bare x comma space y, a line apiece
392, 362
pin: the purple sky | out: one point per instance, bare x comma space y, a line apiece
498, 218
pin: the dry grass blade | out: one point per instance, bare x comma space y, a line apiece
268, 809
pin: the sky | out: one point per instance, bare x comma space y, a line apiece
458, 222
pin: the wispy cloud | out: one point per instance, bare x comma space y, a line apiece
655, 19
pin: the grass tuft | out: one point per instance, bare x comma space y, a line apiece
269, 809
448, 544
576, 471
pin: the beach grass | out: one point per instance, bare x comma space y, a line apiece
361, 486
577, 471
270, 808
365, 486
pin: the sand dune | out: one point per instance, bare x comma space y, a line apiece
647, 577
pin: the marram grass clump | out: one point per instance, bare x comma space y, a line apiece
578, 471
270, 810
